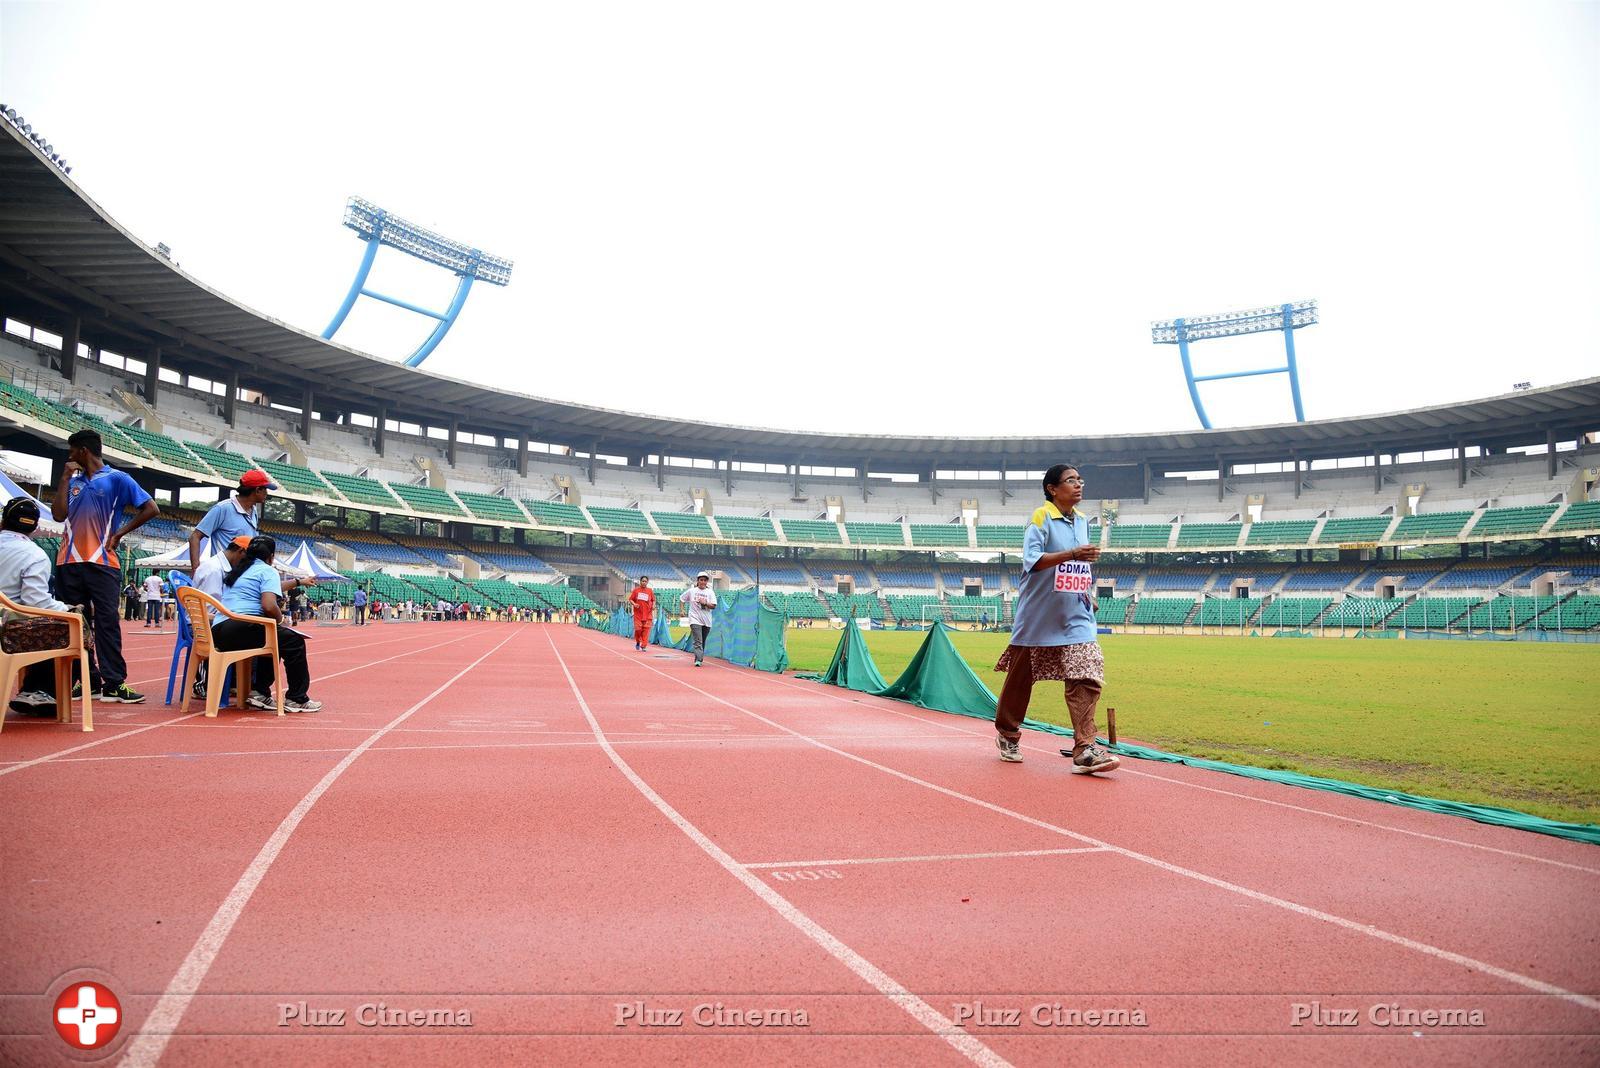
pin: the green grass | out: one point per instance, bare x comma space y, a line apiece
1484, 722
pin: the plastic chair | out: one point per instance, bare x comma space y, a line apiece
12, 663
197, 607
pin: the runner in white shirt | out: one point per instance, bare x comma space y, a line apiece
701, 600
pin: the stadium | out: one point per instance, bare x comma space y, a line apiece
1465, 534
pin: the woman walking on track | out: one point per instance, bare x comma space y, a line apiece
643, 600
1054, 633
701, 601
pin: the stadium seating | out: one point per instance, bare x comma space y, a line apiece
1498, 522
557, 514
937, 534
1431, 613
1462, 578
817, 531
1362, 611
559, 596
1228, 611
1001, 537
1176, 580
659, 568
1112, 611
975, 609
798, 605
857, 606
620, 520
782, 574
1320, 579
427, 499
1346, 530
823, 571
687, 524
1139, 536
169, 451
1575, 613
1294, 611
491, 507
1162, 611
1430, 525
1508, 612
908, 607
1219, 535
901, 578
230, 465
876, 534
746, 527
362, 490
295, 478
1582, 515
507, 594
1281, 532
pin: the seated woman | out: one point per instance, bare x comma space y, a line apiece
253, 588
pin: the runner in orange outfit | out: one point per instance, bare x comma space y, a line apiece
643, 601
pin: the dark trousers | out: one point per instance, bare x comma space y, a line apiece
130, 611
233, 634
361, 614
697, 640
152, 613
1083, 695
100, 588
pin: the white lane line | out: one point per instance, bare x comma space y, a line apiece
920, 860
146, 1048
960, 729
1369, 930
58, 754
869, 973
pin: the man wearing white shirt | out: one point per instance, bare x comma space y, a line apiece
208, 579
701, 601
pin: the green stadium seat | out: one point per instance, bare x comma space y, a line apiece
295, 478
939, 535
1294, 611
1581, 515
1347, 530
620, 520
557, 514
230, 465
1162, 611
1498, 522
361, 490
1139, 536
817, 531
1000, 537
1430, 525
427, 499
1220, 535
1281, 532
683, 524
747, 528
876, 534
1228, 611
493, 508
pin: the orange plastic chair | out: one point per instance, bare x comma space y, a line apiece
198, 607
11, 664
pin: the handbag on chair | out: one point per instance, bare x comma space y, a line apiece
24, 635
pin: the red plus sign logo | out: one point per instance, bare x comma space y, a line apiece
87, 1015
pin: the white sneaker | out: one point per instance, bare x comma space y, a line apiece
262, 702
308, 705
33, 702
1010, 748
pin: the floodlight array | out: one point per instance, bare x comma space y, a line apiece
22, 126
371, 221
1228, 324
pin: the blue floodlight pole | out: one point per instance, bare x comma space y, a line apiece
377, 227
1286, 317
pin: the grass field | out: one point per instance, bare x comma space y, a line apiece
1516, 725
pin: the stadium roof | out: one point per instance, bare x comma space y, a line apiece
62, 257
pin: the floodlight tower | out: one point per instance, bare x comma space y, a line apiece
1285, 317
377, 227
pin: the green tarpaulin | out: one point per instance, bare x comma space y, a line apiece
852, 665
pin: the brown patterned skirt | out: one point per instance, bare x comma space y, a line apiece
1059, 662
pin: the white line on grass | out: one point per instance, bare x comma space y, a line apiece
49, 757
869, 973
146, 1048
1255, 895
881, 705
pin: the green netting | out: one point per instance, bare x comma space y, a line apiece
748, 633
852, 666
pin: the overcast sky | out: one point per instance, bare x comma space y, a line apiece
872, 217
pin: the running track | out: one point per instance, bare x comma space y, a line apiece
541, 827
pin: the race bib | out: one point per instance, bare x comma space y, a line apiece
1074, 576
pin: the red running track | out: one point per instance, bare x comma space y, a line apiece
569, 852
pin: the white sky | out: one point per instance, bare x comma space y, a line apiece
872, 217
